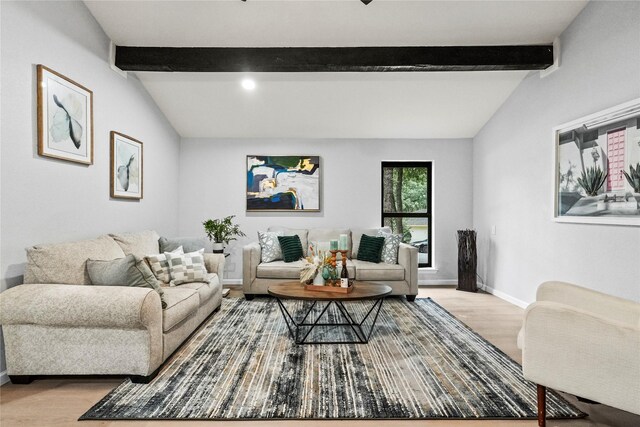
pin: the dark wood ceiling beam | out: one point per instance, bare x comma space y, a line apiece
334, 59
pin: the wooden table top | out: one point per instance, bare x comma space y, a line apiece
361, 291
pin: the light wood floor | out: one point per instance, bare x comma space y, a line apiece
59, 402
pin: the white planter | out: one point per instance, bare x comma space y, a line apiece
318, 280
218, 247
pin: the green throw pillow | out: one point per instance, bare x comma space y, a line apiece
370, 248
291, 247
128, 271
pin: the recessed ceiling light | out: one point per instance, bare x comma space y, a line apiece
249, 84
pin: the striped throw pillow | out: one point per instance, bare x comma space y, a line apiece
370, 248
186, 268
291, 247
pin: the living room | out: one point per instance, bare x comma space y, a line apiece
492, 138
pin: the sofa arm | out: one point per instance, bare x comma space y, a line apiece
408, 258
582, 353
591, 301
251, 255
81, 305
215, 264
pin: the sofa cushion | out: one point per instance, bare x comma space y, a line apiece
181, 304
291, 248
356, 235
186, 268
189, 244
141, 243
328, 234
65, 263
128, 271
279, 270
373, 271
270, 249
370, 248
301, 232
205, 289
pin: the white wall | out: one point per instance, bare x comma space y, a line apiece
46, 200
513, 166
213, 181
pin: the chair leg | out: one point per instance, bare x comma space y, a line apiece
542, 405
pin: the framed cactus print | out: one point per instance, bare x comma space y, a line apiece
126, 167
65, 118
597, 167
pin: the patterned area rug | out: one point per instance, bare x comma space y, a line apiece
421, 363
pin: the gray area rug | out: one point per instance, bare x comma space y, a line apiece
421, 363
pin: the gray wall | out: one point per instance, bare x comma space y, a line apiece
213, 180
45, 200
513, 166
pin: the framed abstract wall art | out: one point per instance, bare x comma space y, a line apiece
597, 167
283, 183
126, 167
65, 118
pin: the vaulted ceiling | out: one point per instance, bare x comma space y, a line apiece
332, 105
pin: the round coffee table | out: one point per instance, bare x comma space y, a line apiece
300, 330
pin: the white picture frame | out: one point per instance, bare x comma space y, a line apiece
608, 142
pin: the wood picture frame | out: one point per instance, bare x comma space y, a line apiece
65, 117
126, 167
596, 158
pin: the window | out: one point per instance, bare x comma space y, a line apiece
406, 204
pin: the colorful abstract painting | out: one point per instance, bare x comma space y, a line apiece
283, 183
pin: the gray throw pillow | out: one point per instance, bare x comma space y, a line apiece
389, 254
269, 245
189, 244
128, 271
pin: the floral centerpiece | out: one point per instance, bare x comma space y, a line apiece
319, 263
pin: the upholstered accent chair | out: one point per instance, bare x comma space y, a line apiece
582, 342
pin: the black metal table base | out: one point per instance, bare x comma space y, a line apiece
300, 335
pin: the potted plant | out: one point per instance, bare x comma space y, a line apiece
221, 232
591, 180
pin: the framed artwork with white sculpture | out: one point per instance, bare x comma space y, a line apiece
126, 167
65, 118
597, 167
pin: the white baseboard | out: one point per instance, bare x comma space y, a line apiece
506, 297
4, 377
232, 282
435, 282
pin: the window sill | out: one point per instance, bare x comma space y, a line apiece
428, 269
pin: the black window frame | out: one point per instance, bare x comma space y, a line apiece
428, 165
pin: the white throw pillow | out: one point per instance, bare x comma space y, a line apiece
389, 254
160, 265
269, 245
186, 268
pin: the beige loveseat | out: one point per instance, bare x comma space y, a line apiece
402, 277
57, 323
582, 342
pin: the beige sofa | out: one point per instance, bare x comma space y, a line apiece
582, 342
402, 277
58, 324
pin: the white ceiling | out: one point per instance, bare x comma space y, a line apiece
332, 105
